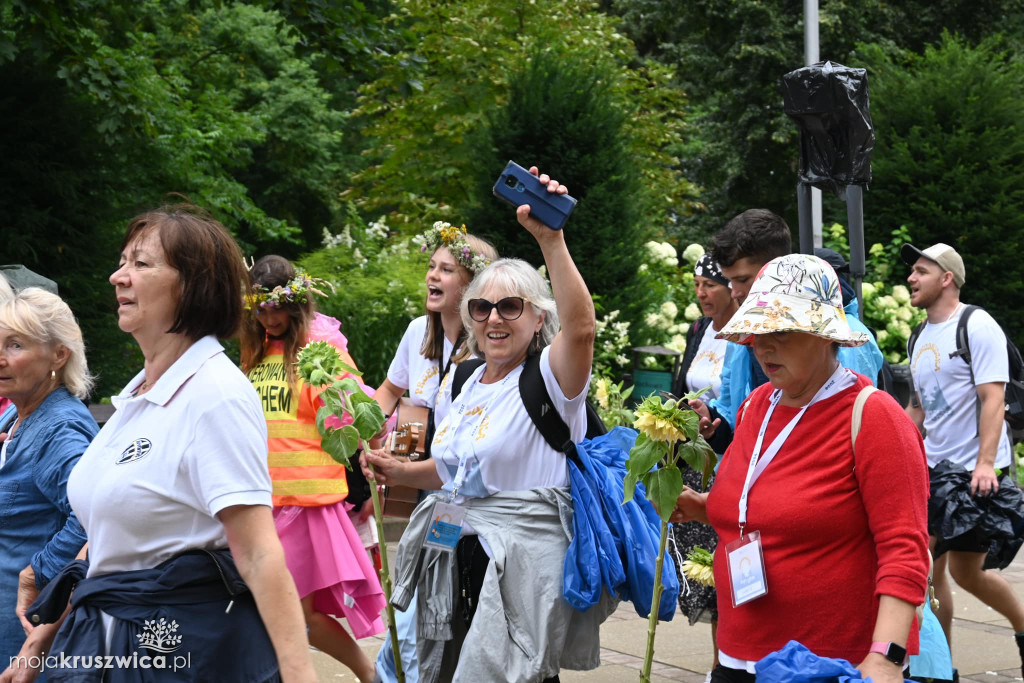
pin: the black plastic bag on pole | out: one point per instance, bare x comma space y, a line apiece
829, 102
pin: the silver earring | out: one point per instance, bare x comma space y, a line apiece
53, 374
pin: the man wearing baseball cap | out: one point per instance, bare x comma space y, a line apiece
960, 409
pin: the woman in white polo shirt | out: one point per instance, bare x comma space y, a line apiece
179, 475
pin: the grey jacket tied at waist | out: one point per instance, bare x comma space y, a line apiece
524, 630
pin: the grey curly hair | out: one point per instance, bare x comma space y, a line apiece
517, 278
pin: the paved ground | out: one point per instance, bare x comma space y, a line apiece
983, 647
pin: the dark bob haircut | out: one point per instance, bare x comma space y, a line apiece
213, 274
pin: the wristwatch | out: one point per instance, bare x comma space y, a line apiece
891, 651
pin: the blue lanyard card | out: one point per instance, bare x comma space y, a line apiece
445, 526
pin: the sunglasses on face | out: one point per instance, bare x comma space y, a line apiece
509, 308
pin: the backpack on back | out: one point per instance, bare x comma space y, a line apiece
1014, 390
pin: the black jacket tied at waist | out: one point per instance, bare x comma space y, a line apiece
191, 618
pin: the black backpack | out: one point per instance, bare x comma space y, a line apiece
538, 406
1014, 387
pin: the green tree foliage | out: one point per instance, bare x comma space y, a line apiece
583, 145
730, 56
379, 288
949, 161
109, 105
424, 111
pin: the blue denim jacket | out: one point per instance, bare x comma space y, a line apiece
37, 525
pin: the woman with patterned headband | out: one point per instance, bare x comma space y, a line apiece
702, 368
333, 574
421, 367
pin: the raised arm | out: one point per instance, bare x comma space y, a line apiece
572, 351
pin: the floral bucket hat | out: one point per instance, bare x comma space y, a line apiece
795, 293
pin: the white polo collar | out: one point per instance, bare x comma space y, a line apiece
175, 376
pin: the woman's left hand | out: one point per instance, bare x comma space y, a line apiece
536, 228
880, 669
27, 593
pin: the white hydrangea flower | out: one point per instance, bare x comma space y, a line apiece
867, 290
621, 359
677, 343
652, 320
882, 336
642, 268
901, 294
669, 310
904, 314
692, 312
693, 253
887, 303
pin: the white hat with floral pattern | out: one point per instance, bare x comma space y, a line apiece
794, 293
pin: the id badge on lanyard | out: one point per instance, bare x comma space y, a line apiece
445, 526
745, 556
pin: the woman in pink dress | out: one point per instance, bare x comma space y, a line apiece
324, 553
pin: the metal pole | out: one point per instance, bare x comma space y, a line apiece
811, 56
855, 219
803, 211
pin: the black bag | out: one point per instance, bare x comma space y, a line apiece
538, 405
1014, 387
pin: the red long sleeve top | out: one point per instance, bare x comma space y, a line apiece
838, 527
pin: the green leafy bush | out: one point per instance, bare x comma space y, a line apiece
379, 288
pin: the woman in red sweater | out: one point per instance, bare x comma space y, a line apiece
821, 540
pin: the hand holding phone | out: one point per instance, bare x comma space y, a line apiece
518, 186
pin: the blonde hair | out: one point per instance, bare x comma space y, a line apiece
45, 317
432, 347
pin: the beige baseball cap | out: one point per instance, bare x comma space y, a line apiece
942, 254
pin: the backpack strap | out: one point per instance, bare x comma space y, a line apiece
462, 372
963, 346
912, 339
858, 412
542, 411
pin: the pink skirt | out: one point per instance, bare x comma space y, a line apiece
326, 558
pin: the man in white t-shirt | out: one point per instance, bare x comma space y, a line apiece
962, 418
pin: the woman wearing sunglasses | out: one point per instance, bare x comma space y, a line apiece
492, 607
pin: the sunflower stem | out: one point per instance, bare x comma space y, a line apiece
385, 579
652, 619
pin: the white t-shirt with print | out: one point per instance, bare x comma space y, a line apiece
949, 399
488, 426
706, 367
153, 480
410, 370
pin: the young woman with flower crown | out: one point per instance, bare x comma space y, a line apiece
323, 551
421, 366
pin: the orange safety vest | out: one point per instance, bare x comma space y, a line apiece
301, 472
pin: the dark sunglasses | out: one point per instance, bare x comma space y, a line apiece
509, 308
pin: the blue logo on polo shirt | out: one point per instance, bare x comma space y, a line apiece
136, 451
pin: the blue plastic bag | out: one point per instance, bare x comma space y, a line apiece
935, 660
614, 546
796, 664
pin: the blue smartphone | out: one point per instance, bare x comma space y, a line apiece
518, 186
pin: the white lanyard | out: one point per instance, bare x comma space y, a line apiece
456, 420
841, 379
